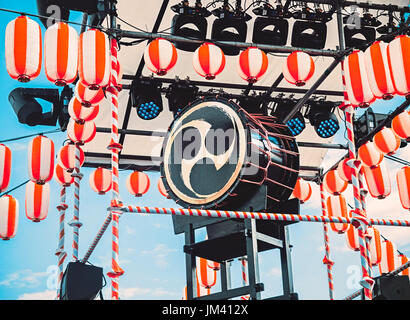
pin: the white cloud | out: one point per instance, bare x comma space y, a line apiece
274, 272
130, 230
42, 295
159, 253
23, 278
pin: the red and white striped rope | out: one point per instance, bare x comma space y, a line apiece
244, 263
60, 253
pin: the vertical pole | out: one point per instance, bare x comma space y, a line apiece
244, 261
252, 254
60, 253
286, 263
327, 261
363, 194
190, 263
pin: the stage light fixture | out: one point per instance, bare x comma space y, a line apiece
189, 22
322, 118
367, 122
359, 31
297, 123
179, 95
230, 25
148, 99
29, 111
252, 104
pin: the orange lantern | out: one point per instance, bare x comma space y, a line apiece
138, 183
302, 190
23, 49
252, 64
352, 238
9, 216
389, 261
401, 125
403, 185
101, 180
298, 68
88, 98
402, 260
80, 113
162, 190
66, 157
398, 58
375, 247
160, 56
81, 133
41, 159
61, 54
333, 183
386, 141
206, 276
344, 171
5, 167
336, 207
63, 177
214, 265
37, 201
378, 181
94, 59
208, 60
370, 155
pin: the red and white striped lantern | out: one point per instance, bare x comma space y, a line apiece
399, 63
162, 190
402, 260
62, 176
344, 171
66, 157
9, 216
101, 180
357, 83
214, 265
81, 133
298, 68
61, 53
389, 260
375, 247
336, 207
302, 190
94, 59
208, 60
403, 185
378, 181
370, 155
352, 236
401, 125
206, 275
386, 141
5, 167
37, 201
160, 56
23, 49
378, 71
252, 64
138, 183
88, 97
41, 159
333, 183
80, 113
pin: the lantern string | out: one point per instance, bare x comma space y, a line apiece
15, 188
31, 135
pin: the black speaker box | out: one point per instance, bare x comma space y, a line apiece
391, 288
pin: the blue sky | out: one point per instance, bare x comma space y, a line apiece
150, 253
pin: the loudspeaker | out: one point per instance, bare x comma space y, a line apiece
81, 282
391, 288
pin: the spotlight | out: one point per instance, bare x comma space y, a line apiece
189, 22
270, 31
252, 104
295, 124
148, 99
360, 30
230, 25
29, 111
179, 95
322, 118
367, 122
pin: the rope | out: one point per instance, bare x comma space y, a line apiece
60, 253
244, 263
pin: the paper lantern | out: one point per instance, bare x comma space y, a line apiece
62, 176
37, 201
401, 125
5, 167
333, 183
352, 236
9, 216
41, 159
402, 260
298, 68
23, 49
378, 181
80, 113
162, 190
160, 56
206, 275
378, 71
375, 247
208, 61
66, 157
61, 53
200, 290
399, 63
357, 83
369, 154
386, 141
138, 183
403, 185
81, 133
88, 97
100, 180
94, 59
389, 261
344, 171
252, 64
302, 190
336, 207
214, 265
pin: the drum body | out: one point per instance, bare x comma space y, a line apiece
216, 155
